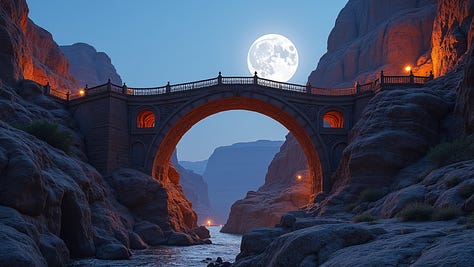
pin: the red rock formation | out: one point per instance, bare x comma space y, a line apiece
453, 34
28, 51
282, 192
373, 35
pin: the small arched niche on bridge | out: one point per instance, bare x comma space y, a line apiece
146, 119
333, 119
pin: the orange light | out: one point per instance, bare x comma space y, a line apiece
82, 92
299, 177
408, 68
208, 222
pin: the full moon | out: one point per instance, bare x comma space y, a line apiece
273, 57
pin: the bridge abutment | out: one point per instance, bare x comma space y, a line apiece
103, 120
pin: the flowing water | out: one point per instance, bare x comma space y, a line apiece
223, 245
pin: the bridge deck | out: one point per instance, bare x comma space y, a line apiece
381, 83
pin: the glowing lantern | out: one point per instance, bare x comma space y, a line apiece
208, 222
408, 68
299, 177
82, 92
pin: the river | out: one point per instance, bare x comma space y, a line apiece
223, 245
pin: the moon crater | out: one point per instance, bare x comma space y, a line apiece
273, 57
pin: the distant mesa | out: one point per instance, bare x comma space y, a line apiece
89, 66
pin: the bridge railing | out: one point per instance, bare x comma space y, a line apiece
379, 84
237, 80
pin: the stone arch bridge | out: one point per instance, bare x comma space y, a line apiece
140, 127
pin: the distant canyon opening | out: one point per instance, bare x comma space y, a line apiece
293, 187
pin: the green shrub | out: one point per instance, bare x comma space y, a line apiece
451, 152
452, 181
364, 217
50, 133
466, 190
445, 213
416, 212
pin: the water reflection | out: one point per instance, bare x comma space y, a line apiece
226, 246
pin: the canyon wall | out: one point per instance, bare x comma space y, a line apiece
233, 170
28, 51
282, 192
195, 190
88, 66
386, 167
370, 36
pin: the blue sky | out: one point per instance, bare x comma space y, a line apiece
152, 42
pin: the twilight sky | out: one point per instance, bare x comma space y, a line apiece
152, 42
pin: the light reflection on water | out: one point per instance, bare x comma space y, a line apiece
223, 245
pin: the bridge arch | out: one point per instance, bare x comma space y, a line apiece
184, 117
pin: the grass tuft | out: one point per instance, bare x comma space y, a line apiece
451, 152
364, 217
416, 212
51, 134
446, 213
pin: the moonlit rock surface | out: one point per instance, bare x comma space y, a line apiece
89, 66
273, 57
375, 35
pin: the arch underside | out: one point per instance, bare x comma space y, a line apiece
189, 114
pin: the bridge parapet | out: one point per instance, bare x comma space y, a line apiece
379, 84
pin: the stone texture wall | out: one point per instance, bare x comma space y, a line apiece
375, 35
28, 51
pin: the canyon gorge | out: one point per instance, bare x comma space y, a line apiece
54, 205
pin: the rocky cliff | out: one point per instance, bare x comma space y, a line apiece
54, 206
233, 170
88, 66
195, 190
28, 51
374, 35
409, 159
282, 192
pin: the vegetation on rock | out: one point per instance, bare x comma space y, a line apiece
50, 133
451, 152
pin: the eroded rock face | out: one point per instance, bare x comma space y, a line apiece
370, 36
232, 170
55, 206
196, 191
89, 66
453, 34
28, 51
282, 192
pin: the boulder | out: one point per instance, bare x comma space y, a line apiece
179, 239
54, 250
112, 251
18, 249
310, 246
150, 233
